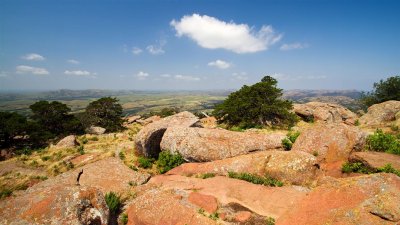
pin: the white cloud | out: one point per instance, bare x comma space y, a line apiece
142, 75
78, 73
220, 64
240, 76
3, 74
155, 50
211, 33
293, 46
73, 61
136, 50
33, 57
280, 76
165, 75
31, 70
186, 78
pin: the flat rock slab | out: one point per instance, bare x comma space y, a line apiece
265, 201
57, 204
147, 141
203, 145
376, 160
292, 167
107, 175
368, 200
163, 207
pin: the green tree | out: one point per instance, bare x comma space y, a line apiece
256, 105
11, 126
384, 90
55, 117
105, 112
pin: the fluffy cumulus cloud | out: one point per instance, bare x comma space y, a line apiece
22, 69
136, 51
79, 73
142, 75
220, 64
293, 46
33, 57
211, 33
73, 61
156, 49
186, 78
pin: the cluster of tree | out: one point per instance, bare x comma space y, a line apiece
52, 120
256, 105
168, 111
383, 90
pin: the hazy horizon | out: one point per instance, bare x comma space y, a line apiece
197, 45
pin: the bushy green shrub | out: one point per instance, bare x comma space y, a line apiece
94, 138
389, 169
5, 193
270, 221
81, 150
355, 167
255, 179
167, 161
145, 163
382, 142
124, 218
288, 142
122, 155
113, 201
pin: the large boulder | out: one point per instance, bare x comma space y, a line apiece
148, 139
257, 199
132, 119
56, 204
293, 167
202, 144
164, 208
331, 143
109, 174
368, 200
375, 160
95, 130
67, 142
381, 114
325, 112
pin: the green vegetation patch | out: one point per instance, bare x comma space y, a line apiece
206, 175
288, 142
382, 142
167, 161
357, 167
145, 163
255, 179
113, 201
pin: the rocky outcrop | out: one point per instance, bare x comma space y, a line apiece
258, 199
164, 207
56, 204
325, 112
149, 120
331, 143
203, 145
381, 114
376, 160
107, 175
67, 142
132, 119
95, 130
148, 139
368, 200
209, 122
293, 167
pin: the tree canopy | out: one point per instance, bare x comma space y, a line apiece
256, 105
384, 90
105, 112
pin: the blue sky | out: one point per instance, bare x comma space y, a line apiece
196, 45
